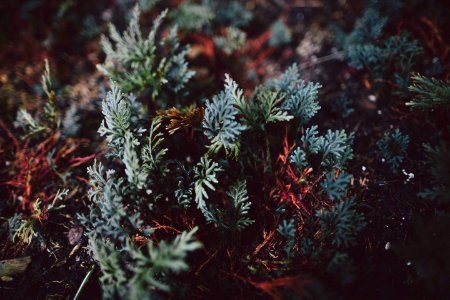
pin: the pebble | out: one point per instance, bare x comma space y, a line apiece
387, 246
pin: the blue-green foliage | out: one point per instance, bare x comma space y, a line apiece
336, 186
230, 112
263, 108
392, 148
288, 79
121, 198
153, 151
233, 40
108, 217
367, 47
47, 119
341, 106
146, 183
287, 230
300, 97
164, 259
341, 223
116, 109
229, 13
221, 124
178, 73
368, 28
298, 158
402, 51
240, 206
114, 276
145, 271
280, 34
192, 16
205, 176
138, 63
235, 217
301, 101
334, 149
184, 193
365, 55
135, 175
207, 15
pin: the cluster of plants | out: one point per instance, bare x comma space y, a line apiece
239, 184
41, 147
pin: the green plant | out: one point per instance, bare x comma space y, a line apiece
47, 120
120, 202
333, 149
288, 231
152, 181
335, 186
236, 218
146, 270
341, 223
205, 175
387, 58
300, 98
429, 93
192, 16
229, 13
233, 40
24, 228
280, 34
392, 148
140, 63
341, 106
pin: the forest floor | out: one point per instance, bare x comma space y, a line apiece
60, 261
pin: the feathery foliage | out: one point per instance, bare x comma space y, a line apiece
220, 120
263, 108
147, 269
205, 176
47, 120
233, 40
280, 34
287, 230
387, 57
334, 149
392, 148
149, 181
336, 186
152, 151
139, 63
229, 13
117, 123
429, 93
121, 199
300, 97
192, 16
341, 223
240, 205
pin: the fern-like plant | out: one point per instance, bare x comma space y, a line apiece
429, 93
392, 148
138, 63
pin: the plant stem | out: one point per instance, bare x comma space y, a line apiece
83, 284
